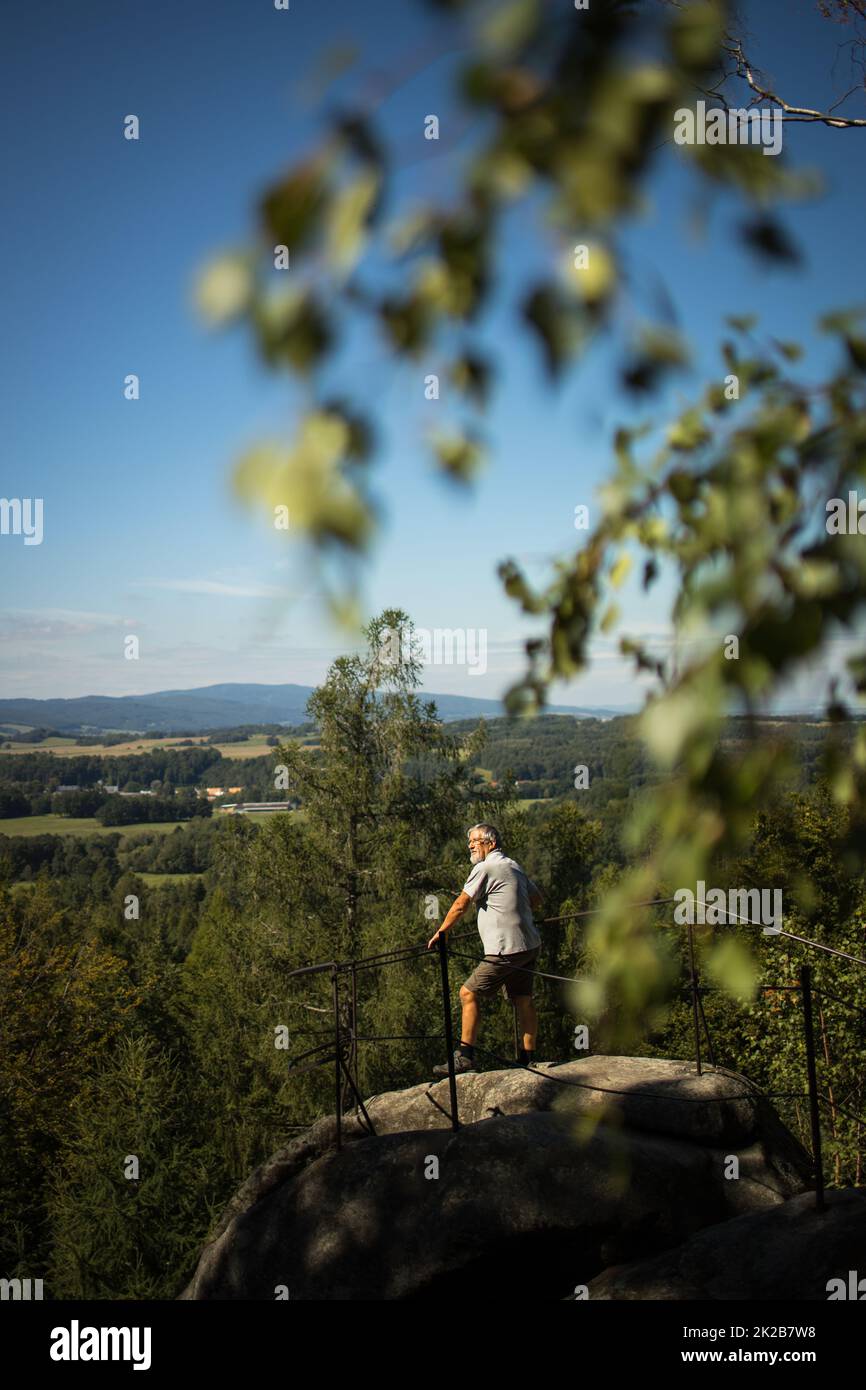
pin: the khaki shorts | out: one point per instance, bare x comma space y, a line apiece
495, 971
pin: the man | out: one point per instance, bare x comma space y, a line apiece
504, 897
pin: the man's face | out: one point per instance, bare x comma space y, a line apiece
478, 847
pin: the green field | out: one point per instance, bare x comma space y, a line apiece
157, 880
60, 744
79, 825
258, 817
67, 746
152, 881
87, 825
253, 747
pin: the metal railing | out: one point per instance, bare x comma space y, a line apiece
344, 1042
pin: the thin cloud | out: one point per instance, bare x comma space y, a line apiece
216, 588
56, 624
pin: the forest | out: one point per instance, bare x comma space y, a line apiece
641, 379
154, 1011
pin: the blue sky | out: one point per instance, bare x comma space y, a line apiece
101, 243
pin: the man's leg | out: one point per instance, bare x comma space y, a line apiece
527, 1019
464, 1056
469, 1025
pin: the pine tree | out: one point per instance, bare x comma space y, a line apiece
379, 838
125, 1203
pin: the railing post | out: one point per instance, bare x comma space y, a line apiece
695, 999
706, 1030
806, 987
353, 1055
338, 1080
449, 1036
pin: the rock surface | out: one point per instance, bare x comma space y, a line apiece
574, 1167
789, 1252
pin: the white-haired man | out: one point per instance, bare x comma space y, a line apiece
504, 897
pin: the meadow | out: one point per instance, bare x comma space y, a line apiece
78, 825
255, 746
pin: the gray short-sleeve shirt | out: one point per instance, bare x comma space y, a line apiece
500, 890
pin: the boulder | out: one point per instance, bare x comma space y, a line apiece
574, 1167
791, 1251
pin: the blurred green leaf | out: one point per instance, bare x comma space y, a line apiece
408, 322
471, 374
310, 480
856, 346
558, 323
731, 965
224, 289
294, 328
510, 24
595, 280
696, 32
689, 431
770, 239
460, 456
791, 351
348, 219
743, 323
293, 210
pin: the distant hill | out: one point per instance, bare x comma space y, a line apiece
219, 707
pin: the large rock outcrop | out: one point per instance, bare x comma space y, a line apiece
791, 1252
586, 1165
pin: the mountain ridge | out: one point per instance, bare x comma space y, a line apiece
225, 704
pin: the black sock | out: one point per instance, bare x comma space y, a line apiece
526, 1056
467, 1050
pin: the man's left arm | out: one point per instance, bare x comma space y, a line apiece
455, 912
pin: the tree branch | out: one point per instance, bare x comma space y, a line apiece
748, 73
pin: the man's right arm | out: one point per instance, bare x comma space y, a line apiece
455, 911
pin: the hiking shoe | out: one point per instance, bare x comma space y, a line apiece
461, 1064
